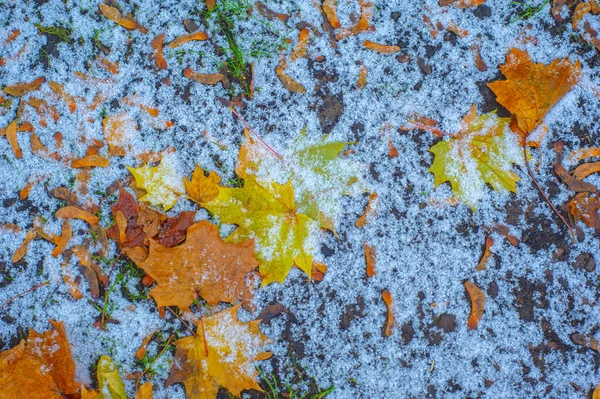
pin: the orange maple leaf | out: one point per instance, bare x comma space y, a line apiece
203, 264
531, 89
220, 355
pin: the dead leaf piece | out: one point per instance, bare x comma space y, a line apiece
289, 83
173, 231
596, 394
62, 93
557, 6
188, 38
462, 3
267, 13
119, 132
585, 207
532, 89
95, 160
67, 233
329, 8
157, 46
371, 259
362, 78
301, 48
489, 241
210, 4
586, 340
115, 15
141, 352
13, 35
221, 354
202, 188
318, 271
452, 27
204, 78
144, 391
11, 134
380, 48
370, 212
580, 11
583, 171
204, 264
387, 299
584, 153
477, 304
20, 89
90, 271
22, 250
573, 183
76, 213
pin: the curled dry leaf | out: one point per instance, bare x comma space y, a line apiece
11, 135
330, 10
20, 89
387, 299
557, 6
204, 78
531, 89
362, 77
489, 241
22, 250
157, 46
62, 93
380, 48
367, 9
141, 352
580, 11
90, 161
583, 153
65, 237
318, 271
586, 169
115, 15
187, 38
370, 211
38, 148
462, 3
477, 304
573, 183
220, 355
585, 207
202, 188
72, 212
371, 259
586, 340
301, 48
267, 13
289, 83
203, 264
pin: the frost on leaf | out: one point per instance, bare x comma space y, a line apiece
163, 184
318, 174
531, 89
221, 357
483, 151
203, 264
268, 214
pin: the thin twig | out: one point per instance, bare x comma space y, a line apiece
256, 134
154, 361
181, 320
35, 287
544, 194
203, 332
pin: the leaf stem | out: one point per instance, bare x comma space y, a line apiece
35, 287
154, 361
256, 134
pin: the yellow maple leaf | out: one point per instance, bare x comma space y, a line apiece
222, 356
202, 188
483, 151
203, 263
268, 214
163, 184
531, 89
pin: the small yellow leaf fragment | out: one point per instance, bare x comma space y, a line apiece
22, 250
380, 48
144, 391
370, 212
387, 299
187, 38
202, 188
318, 271
71, 212
477, 304
163, 184
109, 381
141, 352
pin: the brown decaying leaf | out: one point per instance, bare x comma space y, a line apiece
531, 89
580, 11
318, 271
10, 132
370, 258
489, 241
13, 35
115, 15
387, 299
586, 169
289, 83
573, 183
38, 226
202, 188
585, 207
72, 212
90, 161
362, 77
203, 264
20, 89
392, 150
70, 282
370, 212
586, 340
65, 237
13, 228
210, 4
452, 27
584, 153
329, 8
90, 271
462, 3
267, 13
157, 45
119, 131
22, 250
187, 38
107, 65
477, 304
141, 352
301, 47
380, 48
557, 6
204, 78
173, 231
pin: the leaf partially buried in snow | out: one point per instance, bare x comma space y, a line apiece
531, 89
109, 381
319, 175
119, 131
483, 151
268, 213
163, 183
222, 356
204, 265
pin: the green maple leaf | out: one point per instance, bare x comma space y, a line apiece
483, 151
